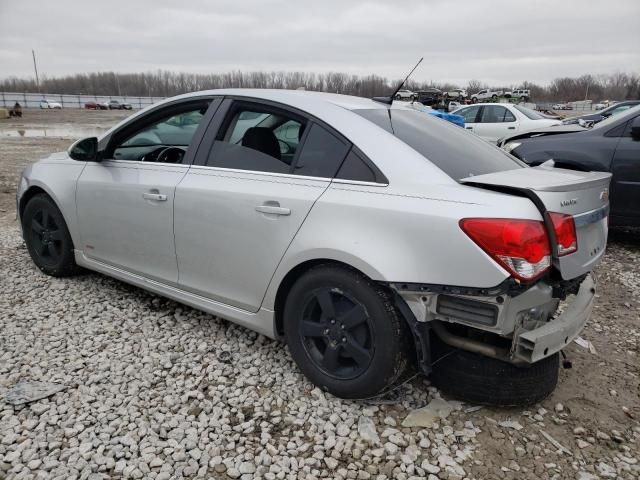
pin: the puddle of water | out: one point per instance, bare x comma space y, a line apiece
57, 131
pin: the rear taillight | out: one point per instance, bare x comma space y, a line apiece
565, 229
520, 246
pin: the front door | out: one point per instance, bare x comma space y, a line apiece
237, 211
125, 203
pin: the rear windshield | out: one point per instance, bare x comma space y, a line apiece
458, 153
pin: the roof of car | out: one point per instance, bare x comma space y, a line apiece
295, 97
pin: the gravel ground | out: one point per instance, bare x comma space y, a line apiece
154, 389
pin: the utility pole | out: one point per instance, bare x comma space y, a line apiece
35, 67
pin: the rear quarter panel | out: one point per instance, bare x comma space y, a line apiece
402, 238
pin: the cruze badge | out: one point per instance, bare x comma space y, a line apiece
604, 195
568, 202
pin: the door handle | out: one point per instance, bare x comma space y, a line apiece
157, 197
511, 128
273, 208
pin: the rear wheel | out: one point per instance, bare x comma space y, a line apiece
474, 100
344, 332
478, 379
494, 97
47, 237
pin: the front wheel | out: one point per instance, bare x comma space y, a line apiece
494, 97
47, 237
345, 333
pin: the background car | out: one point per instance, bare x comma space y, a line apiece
593, 118
612, 145
431, 97
48, 104
458, 94
191, 200
405, 95
116, 105
492, 121
486, 94
520, 93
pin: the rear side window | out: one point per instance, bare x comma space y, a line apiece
355, 168
322, 153
496, 114
455, 151
257, 140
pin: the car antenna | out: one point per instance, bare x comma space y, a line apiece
389, 100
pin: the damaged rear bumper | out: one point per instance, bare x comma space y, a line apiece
536, 344
521, 329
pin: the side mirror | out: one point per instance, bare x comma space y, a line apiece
85, 150
635, 128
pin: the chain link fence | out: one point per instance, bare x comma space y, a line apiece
32, 100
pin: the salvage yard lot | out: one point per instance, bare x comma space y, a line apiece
158, 390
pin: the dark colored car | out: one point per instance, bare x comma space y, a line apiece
116, 105
431, 97
593, 118
612, 145
95, 106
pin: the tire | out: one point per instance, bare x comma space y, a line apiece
371, 356
397, 97
494, 97
474, 100
47, 237
478, 379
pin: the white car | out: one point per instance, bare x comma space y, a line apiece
492, 121
457, 93
521, 93
486, 94
49, 104
405, 95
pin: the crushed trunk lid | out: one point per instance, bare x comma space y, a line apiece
583, 195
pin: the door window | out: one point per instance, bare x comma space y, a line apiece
164, 141
496, 114
259, 140
322, 154
469, 114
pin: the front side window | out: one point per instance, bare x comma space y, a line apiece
496, 114
262, 140
165, 140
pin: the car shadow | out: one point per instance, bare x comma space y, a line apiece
628, 237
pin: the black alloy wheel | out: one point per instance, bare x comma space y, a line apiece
47, 237
337, 333
344, 332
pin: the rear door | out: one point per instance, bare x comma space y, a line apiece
625, 185
495, 122
240, 206
125, 202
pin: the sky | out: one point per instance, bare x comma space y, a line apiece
495, 41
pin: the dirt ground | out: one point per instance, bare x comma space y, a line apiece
595, 411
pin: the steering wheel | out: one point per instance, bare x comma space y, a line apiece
165, 155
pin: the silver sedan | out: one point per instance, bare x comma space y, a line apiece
367, 236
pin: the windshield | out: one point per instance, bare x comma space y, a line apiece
533, 115
621, 117
456, 152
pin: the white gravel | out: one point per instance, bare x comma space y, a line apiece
159, 390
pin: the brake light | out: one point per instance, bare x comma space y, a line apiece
520, 246
565, 229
